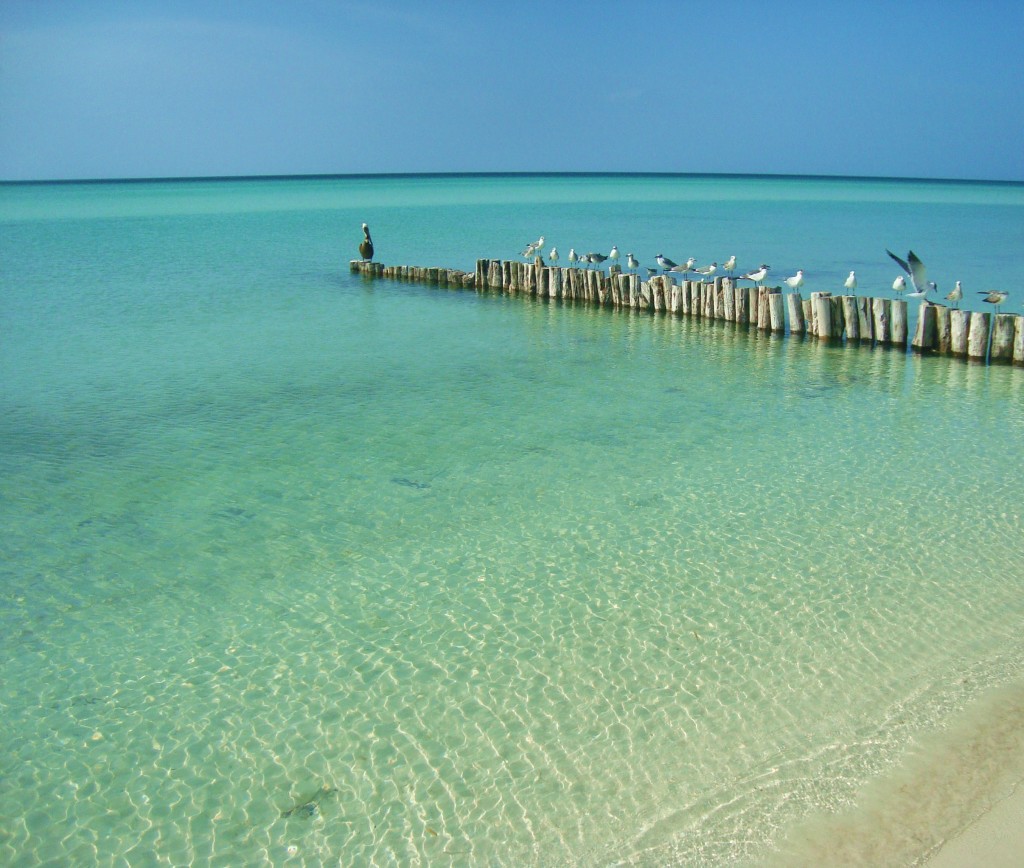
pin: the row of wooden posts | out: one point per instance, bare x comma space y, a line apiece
972, 335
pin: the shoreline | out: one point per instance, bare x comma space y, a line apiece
995, 839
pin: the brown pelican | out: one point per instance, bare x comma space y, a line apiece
366, 245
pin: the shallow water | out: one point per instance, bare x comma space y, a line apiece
301, 566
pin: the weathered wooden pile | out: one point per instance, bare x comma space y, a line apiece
975, 335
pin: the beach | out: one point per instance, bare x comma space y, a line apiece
301, 565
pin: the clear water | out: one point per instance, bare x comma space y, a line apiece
300, 567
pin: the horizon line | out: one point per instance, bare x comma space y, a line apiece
321, 176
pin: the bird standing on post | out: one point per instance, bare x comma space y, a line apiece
796, 281
899, 284
995, 296
730, 265
631, 263
366, 245
851, 282
613, 255
758, 275
955, 294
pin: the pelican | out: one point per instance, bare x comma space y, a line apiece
995, 296
730, 265
955, 294
758, 275
851, 282
631, 263
914, 269
665, 263
899, 284
573, 258
796, 281
366, 245
613, 255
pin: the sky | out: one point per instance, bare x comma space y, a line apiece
175, 88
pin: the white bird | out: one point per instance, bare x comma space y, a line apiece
995, 296
796, 281
707, 270
665, 263
955, 294
756, 276
851, 282
921, 293
692, 261
914, 269
730, 265
553, 255
613, 255
573, 258
899, 284
631, 263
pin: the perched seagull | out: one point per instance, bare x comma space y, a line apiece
366, 245
650, 271
613, 255
553, 255
692, 261
756, 276
955, 294
631, 263
730, 265
914, 269
573, 258
995, 296
899, 284
665, 263
851, 282
707, 270
596, 258
796, 281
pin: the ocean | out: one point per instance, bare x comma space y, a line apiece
300, 567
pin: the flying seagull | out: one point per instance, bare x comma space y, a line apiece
914, 269
366, 245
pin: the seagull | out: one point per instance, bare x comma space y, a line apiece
665, 263
914, 269
553, 255
796, 281
613, 255
631, 263
955, 294
366, 245
707, 270
650, 271
851, 282
756, 276
921, 293
899, 284
995, 296
730, 264
573, 258
596, 258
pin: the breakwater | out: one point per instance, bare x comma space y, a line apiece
978, 336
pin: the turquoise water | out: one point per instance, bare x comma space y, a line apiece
299, 567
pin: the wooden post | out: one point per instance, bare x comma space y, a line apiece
1002, 338
752, 296
822, 303
960, 325
926, 332
794, 303
675, 304
1018, 341
696, 298
838, 320
554, 282
977, 335
719, 294
943, 339
742, 299
880, 312
730, 300
865, 323
899, 322
776, 310
659, 285
851, 317
707, 293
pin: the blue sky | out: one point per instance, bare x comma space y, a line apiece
101, 89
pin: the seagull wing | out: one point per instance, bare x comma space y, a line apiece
901, 263
918, 275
